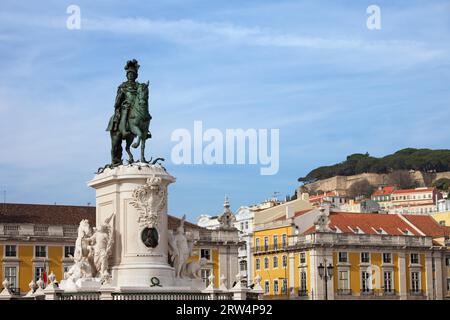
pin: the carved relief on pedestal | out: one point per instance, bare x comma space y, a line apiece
149, 200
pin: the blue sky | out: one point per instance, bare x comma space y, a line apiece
309, 68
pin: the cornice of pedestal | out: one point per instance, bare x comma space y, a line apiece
132, 172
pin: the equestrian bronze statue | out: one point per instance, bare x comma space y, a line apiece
131, 117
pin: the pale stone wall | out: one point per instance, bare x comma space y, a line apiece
342, 183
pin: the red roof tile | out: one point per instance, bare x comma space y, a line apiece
367, 222
392, 224
413, 190
45, 214
48, 214
428, 225
384, 191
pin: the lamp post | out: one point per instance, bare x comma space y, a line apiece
325, 273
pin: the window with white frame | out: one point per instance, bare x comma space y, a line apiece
257, 264
414, 258
266, 263
284, 261
343, 257
284, 286
266, 287
415, 281
38, 273
257, 244
69, 251
205, 254
365, 257
365, 281
40, 251
11, 275
275, 262
205, 273
302, 281
275, 287
266, 243
387, 257
302, 257
246, 225
275, 242
343, 280
10, 251
284, 241
387, 276
243, 265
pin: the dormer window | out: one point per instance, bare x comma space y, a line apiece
337, 230
406, 232
379, 230
356, 230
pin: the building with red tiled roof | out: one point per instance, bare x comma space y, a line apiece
369, 223
368, 256
415, 201
383, 191
383, 197
35, 238
332, 198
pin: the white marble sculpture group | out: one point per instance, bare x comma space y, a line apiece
180, 249
92, 252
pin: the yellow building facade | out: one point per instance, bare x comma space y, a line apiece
336, 264
442, 218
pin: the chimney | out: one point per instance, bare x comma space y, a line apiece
289, 211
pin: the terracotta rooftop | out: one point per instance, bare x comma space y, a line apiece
367, 222
45, 214
384, 191
48, 214
417, 190
392, 224
428, 225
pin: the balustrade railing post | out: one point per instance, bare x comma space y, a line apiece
106, 293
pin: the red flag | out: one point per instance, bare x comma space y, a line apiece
44, 274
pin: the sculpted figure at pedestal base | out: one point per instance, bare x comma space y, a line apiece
179, 249
101, 244
91, 252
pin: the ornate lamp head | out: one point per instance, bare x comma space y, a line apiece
132, 66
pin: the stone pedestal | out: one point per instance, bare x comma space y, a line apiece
137, 194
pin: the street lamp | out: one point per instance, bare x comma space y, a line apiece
325, 275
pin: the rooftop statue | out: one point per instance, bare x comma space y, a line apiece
131, 118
